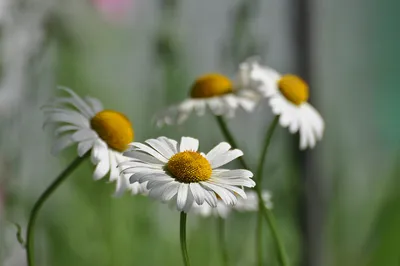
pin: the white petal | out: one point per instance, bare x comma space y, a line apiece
141, 156
62, 129
144, 176
61, 143
149, 150
210, 198
84, 147
225, 158
198, 193
80, 104
226, 196
77, 119
188, 144
99, 151
101, 170
95, 104
172, 144
237, 173
161, 147
182, 196
84, 134
189, 202
114, 171
121, 187
170, 191
221, 148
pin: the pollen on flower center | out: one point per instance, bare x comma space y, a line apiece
114, 128
189, 167
211, 85
293, 88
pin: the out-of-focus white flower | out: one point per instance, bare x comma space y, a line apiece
177, 171
288, 95
214, 92
249, 204
104, 133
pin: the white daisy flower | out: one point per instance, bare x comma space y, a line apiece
215, 92
250, 204
177, 171
104, 133
288, 95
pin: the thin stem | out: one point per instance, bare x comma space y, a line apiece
259, 239
268, 215
221, 239
267, 141
183, 240
227, 134
30, 234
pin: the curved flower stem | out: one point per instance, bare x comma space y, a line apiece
30, 234
261, 206
265, 212
183, 239
227, 134
259, 239
268, 215
221, 239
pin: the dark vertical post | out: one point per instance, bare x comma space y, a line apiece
310, 204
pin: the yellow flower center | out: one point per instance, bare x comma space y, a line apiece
293, 88
211, 85
189, 167
114, 128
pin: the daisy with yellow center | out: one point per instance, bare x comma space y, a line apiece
249, 204
104, 133
288, 95
215, 92
177, 171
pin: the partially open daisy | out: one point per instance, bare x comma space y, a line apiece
211, 91
104, 133
288, 95
178, 171
249, 204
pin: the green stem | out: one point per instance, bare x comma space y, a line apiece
183, 240
227, 134
30, 234
268, 215
259, 239
267, 141
221, 238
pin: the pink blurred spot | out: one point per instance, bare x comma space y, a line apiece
114, 9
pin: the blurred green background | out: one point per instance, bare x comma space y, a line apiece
336, 205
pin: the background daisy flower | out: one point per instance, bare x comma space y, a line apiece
177, 171
288, 95
250, 204
215, 92
103, 133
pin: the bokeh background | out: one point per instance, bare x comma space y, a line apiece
338, 204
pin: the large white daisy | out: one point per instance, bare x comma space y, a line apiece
103, 133
249, 204
215, 92
177, 171
288, 95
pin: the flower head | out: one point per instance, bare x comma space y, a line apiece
177, 171
249, 204
104, 133
288, 95
211, 91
